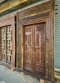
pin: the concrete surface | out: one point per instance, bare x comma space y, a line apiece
9, 76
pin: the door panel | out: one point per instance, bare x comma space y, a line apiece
28, 43
9, 43
6, 40
39, 47
35, 47
3, 40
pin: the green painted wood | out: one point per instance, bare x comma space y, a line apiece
57, 34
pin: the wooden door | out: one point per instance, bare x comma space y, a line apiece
9, 43
40, 47
28, 44
3, 43
6, 41
35, 47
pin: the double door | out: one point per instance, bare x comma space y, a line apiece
34, 47
6, 43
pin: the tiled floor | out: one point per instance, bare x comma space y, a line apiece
8, 76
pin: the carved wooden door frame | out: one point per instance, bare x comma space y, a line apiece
45, 17
34, 15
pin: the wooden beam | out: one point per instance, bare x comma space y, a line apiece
10, 5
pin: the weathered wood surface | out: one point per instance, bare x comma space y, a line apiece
9, 21
37, 14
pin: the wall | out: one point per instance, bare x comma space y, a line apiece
57, 38
57, 34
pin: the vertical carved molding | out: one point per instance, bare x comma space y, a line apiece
19, 45
0, 46
50, 46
